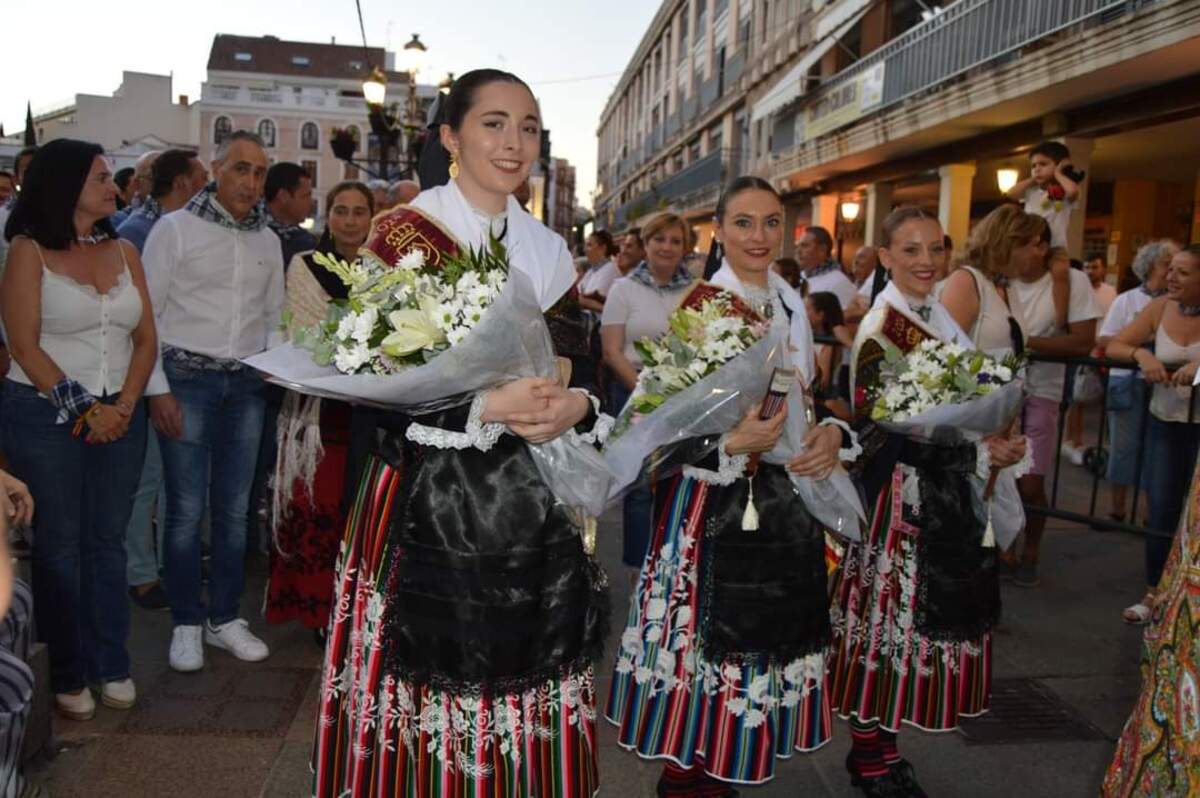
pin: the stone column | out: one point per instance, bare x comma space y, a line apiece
954, 200
879, 205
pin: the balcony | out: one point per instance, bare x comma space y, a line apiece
967, 35
284, 98
695, 186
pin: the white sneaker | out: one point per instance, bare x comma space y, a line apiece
118, 695
1073, 453
186, 652
236, 638
76, 706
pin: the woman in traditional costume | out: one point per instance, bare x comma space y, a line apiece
721, 668
1159, 750
467, 613
312, 475
915, 602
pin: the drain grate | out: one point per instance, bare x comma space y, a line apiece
1025, 710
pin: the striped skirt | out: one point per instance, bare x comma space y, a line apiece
882, 668
669, 702
379, 736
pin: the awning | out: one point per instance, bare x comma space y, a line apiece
791, 86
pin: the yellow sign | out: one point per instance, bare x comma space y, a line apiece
845, 103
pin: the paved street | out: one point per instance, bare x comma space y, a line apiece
243, 730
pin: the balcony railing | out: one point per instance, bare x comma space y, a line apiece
694, 186
967, 34
277, 98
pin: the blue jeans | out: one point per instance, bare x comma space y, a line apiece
144, 538
1167, 474
638, 510
211, 465
83, 494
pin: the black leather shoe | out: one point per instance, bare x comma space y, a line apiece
902, 776
879, 787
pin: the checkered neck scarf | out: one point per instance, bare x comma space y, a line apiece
680, 279
150, 208
830, 265
205, 205
284, 231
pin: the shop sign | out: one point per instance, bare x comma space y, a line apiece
846, 103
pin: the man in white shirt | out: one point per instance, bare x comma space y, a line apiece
821, 271
215, 275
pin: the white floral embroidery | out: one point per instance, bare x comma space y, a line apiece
880, 594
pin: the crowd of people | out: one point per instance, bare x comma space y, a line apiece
459, 607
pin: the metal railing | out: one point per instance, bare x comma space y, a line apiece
1097, 456
965, 35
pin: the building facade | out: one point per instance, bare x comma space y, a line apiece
295, 95
561, 198
141, 114
876, 103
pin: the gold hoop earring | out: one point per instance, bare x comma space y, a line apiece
453, 167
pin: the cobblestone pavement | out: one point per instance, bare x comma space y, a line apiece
240, 729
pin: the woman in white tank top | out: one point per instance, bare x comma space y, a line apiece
1173, 436
79, 328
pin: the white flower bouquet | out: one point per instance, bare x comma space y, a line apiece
421, 337
405, 315
940, 387
702, 336
942, 392
697, 382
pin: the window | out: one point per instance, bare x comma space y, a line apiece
311, 168
310, 137
683, 35
222, 127
300, 60
356, 66
266, 132
701, 22
694, 151
714, 139
243, 57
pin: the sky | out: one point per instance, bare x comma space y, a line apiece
571, 51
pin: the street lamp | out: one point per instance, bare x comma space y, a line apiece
386, 125
447, 83
850, 209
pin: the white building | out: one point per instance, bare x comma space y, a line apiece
294, 94
142, 114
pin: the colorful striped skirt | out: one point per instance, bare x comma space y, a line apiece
669, 702
379, 736
882, 668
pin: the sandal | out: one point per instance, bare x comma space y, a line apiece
1139, 614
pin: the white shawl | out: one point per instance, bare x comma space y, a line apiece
533, 248
800, 333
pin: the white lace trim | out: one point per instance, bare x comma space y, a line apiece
602, 426
851, 452
731, 467
477, 434
983, 461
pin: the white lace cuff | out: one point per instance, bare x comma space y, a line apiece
602, 426
851, 452
477, 434
731, 467
983, 461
